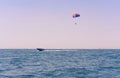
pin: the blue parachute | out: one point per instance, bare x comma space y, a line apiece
75, 15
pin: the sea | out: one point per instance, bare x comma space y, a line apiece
60, 63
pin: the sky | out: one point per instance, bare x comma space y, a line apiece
49, 24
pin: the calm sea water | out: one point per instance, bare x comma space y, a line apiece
83, 63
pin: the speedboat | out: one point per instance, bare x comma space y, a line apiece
40, 49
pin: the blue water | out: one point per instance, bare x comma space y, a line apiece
89, 63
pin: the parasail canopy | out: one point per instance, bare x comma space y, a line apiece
75, 15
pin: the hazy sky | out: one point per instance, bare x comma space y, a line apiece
49, 24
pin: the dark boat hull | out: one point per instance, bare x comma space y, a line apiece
40, 49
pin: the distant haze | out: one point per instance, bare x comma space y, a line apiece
49, 24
